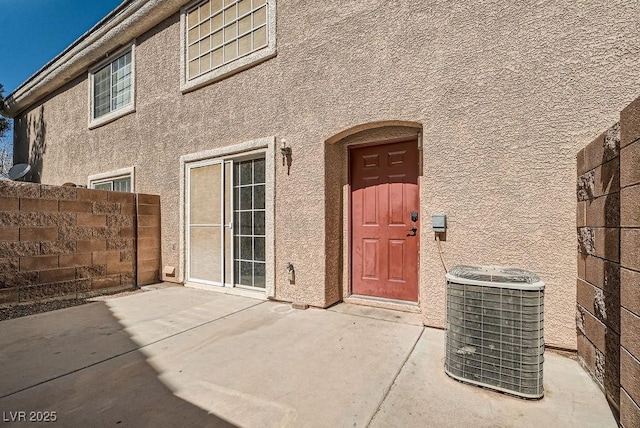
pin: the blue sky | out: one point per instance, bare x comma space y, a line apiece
35, 31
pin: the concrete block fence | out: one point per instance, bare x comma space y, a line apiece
608, 283
66, 242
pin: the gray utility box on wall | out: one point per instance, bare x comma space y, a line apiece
494, 334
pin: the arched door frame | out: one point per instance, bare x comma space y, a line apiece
337, 204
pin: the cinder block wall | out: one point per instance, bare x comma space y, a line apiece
598, 283
148, 239
630, 265
64, 242
608, 284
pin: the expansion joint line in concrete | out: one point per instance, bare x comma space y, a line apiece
130, 351
395, 378
368, 317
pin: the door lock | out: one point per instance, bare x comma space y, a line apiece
414, 215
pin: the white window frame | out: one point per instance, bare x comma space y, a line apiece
113, 175
233, 67
129, 108
244, 151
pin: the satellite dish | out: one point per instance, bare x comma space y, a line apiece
19, 170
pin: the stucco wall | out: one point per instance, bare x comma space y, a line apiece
506, 93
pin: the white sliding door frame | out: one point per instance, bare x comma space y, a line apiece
264, 147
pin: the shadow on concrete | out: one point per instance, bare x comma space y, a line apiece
95, 377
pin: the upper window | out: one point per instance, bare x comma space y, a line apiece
224, 36
112, 88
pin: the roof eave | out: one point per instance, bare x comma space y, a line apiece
128, 21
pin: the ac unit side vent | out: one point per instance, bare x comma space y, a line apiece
495, 332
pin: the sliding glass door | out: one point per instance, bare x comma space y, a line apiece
225, 234
249, 223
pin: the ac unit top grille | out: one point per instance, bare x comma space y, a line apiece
496, 276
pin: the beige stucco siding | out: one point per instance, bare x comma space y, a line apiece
506, 93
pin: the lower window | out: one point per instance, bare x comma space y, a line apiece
226, 222
120, 180
122, 184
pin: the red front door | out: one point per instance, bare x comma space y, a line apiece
384, 193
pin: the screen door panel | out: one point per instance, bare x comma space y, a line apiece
206, 253
206, 223
227, 223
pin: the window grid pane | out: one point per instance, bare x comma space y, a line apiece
103, 186
236, 25
101, 92
112, 86
249, 228
122, 184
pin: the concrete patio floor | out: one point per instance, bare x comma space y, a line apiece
175, 356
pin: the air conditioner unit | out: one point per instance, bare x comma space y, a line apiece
494, 334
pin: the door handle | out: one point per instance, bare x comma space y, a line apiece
413, 231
